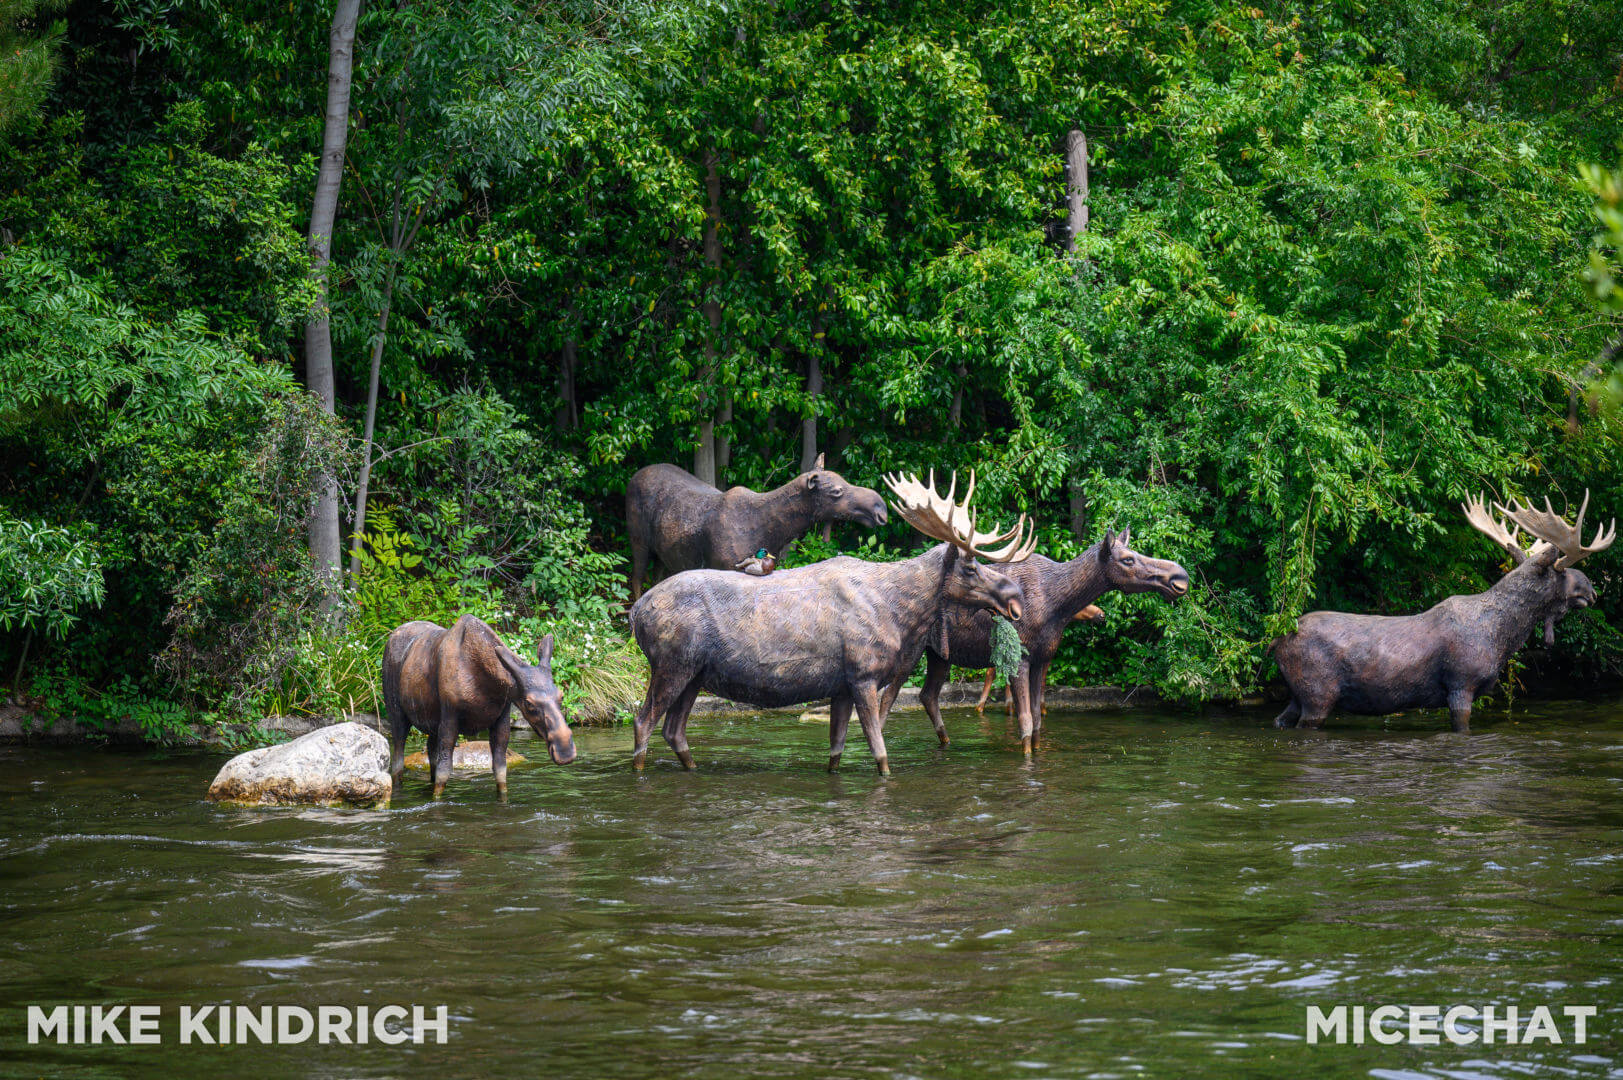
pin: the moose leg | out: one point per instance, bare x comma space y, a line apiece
663, 690
986, 689
1034, 694
399, 728
676, 723
839, 719
1289, 716
1459, 710
1020, 691
935, 676
866, 699
440, 753
639, 567
499, 732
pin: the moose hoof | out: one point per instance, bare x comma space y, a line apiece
501, 791
439, 790
942, 735
636, 761
981, 708
1025, 745
834, 763
884, 766
686, 759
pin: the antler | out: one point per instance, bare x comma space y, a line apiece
940, 518
1476, 512
1553, 529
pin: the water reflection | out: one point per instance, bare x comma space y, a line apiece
1150, 893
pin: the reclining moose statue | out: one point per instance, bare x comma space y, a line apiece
687, 524
843, 629
1452, 654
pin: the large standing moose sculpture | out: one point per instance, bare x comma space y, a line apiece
688, 524
463, 680
843, 629
1055, 593
1452, 654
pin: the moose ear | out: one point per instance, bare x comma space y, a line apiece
819, 463
1127, 537
544, 651
811, 481
511, 662
1106, 546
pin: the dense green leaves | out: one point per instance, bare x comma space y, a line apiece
1333, 282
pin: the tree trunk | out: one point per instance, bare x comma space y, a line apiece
1076, 185
724, 442
955, 414
814, 390
704, 454
358, 529
1079, 511
566, 418
318, 366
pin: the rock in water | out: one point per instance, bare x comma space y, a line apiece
467, 755
345, 763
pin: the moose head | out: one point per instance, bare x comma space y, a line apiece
1543, 577
1130, 572
832, 498
967, 581
539, 700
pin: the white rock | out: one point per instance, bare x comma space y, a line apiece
345, 763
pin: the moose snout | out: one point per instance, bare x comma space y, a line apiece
562, 747
1009, 599
877, 514
1178, 582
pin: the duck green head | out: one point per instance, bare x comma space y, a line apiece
762, 554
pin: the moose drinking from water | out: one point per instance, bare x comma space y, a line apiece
1452, 654
1055, 593
463, 680
688, 524
843, 629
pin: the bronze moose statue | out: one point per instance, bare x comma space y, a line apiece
674, 516
1055, 593
843, 629
1453, 653
463, 680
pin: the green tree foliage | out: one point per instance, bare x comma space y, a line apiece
28, 56
1332, 283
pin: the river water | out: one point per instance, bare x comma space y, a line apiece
1153, 894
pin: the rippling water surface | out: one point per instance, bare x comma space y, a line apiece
1154, 894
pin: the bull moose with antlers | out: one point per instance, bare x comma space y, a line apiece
1453, 653
1056, 592
843, 629
687, 524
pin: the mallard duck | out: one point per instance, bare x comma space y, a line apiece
762, 563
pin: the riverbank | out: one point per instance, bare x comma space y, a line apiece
19, 724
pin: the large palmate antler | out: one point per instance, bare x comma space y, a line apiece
1477, 513
940, 518
1553, 529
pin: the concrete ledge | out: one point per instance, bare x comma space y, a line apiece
18, 724
957, 694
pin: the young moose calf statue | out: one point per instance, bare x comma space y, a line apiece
463, 680
1452, 654
688, 524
